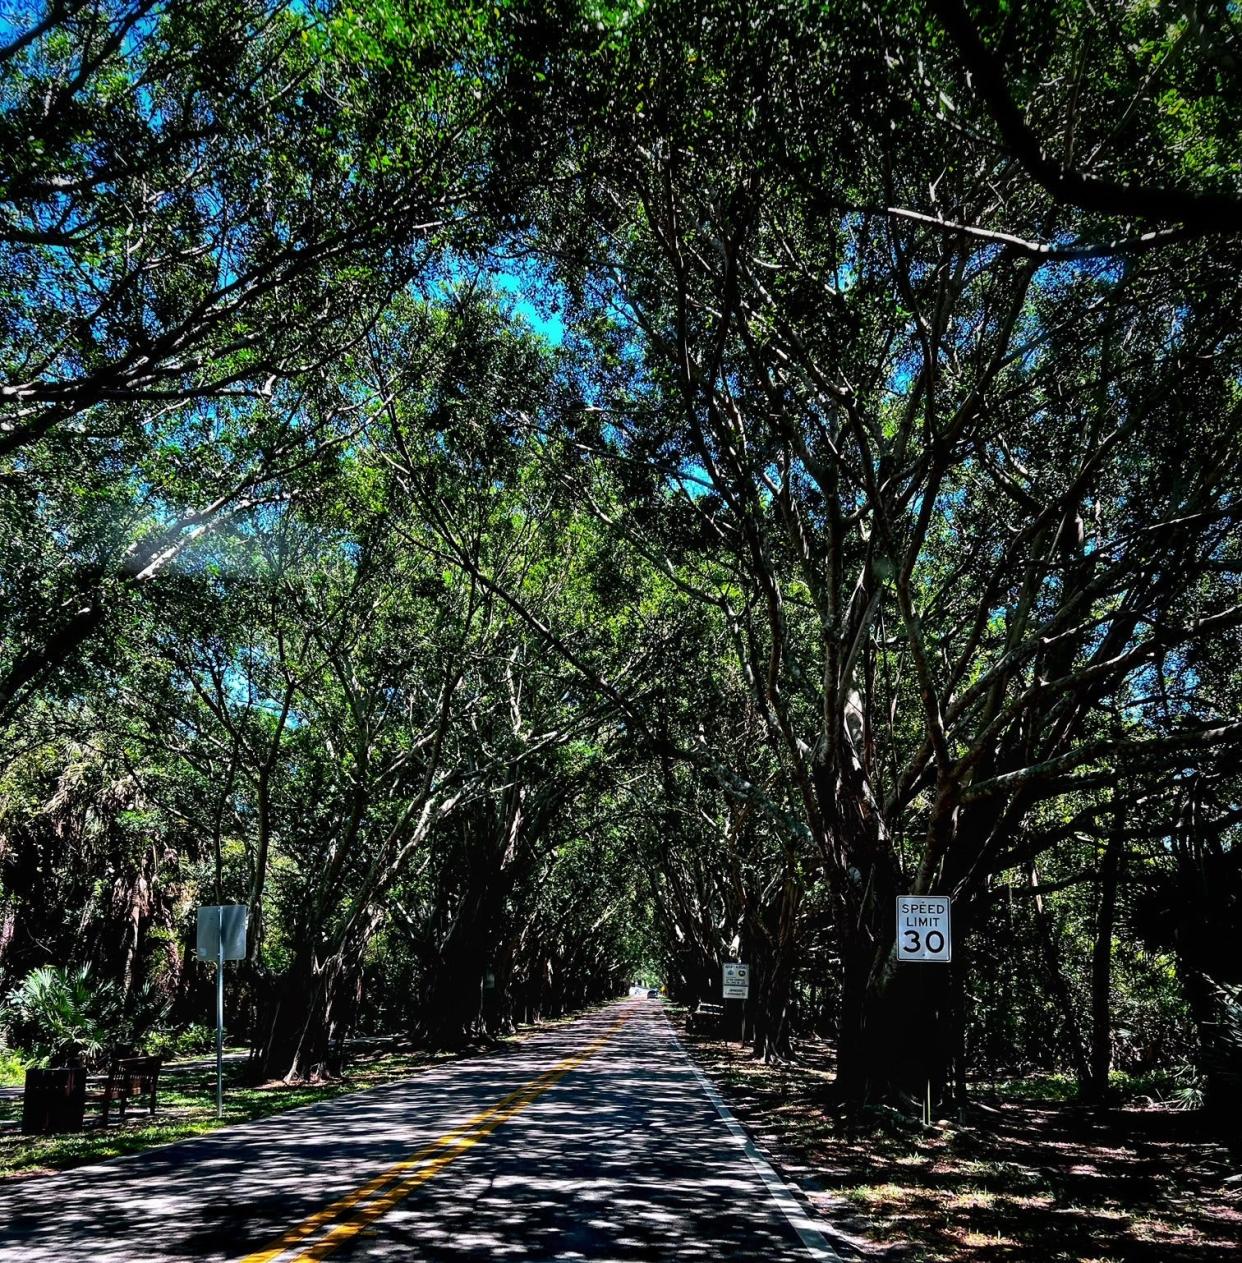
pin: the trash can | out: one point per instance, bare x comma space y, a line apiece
54, 1100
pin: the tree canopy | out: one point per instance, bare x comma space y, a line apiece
530, 496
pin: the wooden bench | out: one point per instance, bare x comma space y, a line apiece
706, 1019
127, 1077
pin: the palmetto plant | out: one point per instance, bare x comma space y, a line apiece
63, 1015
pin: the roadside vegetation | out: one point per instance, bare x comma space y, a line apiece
527, 496
1026, 1173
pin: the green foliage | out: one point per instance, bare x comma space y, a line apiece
13, 1067
874, 526
191, 1041
64, 1015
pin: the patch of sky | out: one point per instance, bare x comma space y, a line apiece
951, 501
1108, 271
241, 680
524, 288
904, 371
532, 304
16, 20
847, 270
694, 480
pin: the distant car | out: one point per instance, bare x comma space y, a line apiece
652, 993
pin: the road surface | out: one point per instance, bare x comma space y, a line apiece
595, 1141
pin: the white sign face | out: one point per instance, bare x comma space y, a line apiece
736, 981
227, 922
923, 928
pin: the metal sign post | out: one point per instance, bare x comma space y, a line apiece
220, 1014
221, 937
924, 934
736, 986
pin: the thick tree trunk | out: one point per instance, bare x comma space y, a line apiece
294, 1033
309, 1011
768, 1011
898, 1032
1057, 985
959, 1050
1102, 968
453, 1005
770, 1004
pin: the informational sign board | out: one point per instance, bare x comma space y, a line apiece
227, 924
736, 981
923, 928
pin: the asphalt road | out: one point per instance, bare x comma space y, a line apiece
597, 1140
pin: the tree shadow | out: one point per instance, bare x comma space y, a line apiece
624, 1158
1031, 1183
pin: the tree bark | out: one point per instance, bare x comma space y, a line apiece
1057, 986
1102, 966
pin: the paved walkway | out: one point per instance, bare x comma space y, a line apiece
598, 1140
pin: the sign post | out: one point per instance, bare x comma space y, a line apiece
924, 934
220, 1015
737, 987
221, 937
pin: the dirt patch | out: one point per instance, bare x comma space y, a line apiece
1021, 1181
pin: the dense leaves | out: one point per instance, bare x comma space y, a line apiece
846, 505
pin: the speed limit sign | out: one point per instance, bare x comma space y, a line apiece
923, 928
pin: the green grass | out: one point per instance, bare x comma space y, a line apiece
1062, 1089
187, 1107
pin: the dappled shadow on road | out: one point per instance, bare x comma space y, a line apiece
626, 1159
623, 1158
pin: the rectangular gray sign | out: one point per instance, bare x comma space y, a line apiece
227, 922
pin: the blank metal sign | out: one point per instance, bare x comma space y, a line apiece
227, 922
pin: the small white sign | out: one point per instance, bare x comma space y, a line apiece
227, 923
736, 981
923, 928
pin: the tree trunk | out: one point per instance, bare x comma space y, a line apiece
769, 1007
898, 1032
293, 1035
1102, 967
1057, 985
310, 1009
959, 1060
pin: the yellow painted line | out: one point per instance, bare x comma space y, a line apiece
424, 1164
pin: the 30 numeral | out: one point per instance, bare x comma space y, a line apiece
914, 941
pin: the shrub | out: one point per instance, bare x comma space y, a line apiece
192, 1041
12, 1067
62, 1016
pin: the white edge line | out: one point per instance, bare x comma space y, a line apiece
814, 1241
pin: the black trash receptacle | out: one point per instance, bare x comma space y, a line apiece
54, 1100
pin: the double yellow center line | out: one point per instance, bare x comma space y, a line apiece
328, 1229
